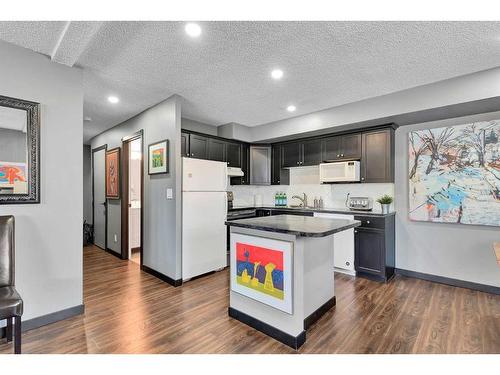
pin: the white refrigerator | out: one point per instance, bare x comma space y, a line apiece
204, 210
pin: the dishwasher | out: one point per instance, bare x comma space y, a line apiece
343, 245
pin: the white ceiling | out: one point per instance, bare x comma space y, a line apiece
224, 76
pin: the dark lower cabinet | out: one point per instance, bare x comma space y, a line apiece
374, 248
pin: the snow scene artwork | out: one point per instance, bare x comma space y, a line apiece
454, 174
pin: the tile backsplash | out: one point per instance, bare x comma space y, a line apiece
306, 180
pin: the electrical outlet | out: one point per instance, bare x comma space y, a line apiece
116, 238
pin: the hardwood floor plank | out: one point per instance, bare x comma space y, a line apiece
129, 311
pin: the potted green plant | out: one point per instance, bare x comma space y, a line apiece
385, 201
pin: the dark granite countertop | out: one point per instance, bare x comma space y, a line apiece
305, 226
324, 210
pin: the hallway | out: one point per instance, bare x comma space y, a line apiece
128, 311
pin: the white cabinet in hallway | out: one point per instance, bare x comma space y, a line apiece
343, 244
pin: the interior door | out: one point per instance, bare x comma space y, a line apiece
98, 168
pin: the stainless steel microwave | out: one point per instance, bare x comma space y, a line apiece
341, 171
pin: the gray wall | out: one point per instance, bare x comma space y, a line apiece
49, 235
12, 146
457, 251
162, 217
87, 184
197, 126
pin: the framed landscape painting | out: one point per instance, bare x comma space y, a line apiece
158, 157
261, 269
454, 174
113, 173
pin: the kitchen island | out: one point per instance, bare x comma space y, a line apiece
281, 268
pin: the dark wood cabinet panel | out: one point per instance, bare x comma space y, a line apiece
184, 144
244, 161
233, 154
279, 176
350, 146
331, 148
198, 146
311, 152
377, 162
216, 150
291, 154
369, 251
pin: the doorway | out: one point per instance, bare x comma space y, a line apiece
133, 193
99, 215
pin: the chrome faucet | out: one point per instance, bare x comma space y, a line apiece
302, 200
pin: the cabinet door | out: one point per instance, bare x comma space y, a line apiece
311, 152
233, 154
331, 148
260, 165
369, 251
377, 159
350, 146
244, 156
198, 146
291, 154
184, 144
216, 149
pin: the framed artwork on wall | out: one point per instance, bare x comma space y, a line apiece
158, 155
261, 269
454, 174
113, 173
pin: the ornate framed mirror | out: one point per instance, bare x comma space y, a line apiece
19, 151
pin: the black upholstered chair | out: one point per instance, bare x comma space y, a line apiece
11, 304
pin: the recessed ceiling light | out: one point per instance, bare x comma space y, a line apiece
277, 73
193, 30
113, 99
291, 108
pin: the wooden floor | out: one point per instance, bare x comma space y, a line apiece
129, 311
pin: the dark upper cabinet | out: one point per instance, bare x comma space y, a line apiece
311, 152
198, 146
233, 154
184, 144
377, 161
331, 148
291, 154
351, 146
216, 149
279, 176
342, 147
245, 166
369, 251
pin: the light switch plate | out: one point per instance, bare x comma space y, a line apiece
170, 193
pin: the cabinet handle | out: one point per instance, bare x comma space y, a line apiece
362, 178
342, 155
338, 155
278, 181
355, 231
192, 154
367, 221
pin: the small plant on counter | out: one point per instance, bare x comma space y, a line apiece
385, 199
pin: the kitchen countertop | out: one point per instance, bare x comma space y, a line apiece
324, 210
304, 226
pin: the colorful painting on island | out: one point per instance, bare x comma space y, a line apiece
158, 157
454, 174
261, 269
13, 178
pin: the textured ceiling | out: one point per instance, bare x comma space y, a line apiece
223, 76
